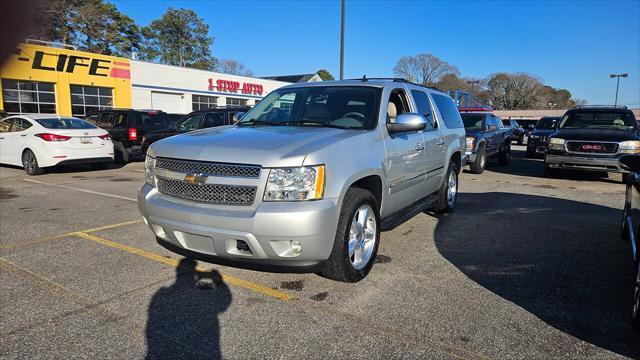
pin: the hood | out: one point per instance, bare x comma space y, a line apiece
596, 134
267, 146
542, 132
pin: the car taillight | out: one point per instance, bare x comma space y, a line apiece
133, 134
53, 137
105, 137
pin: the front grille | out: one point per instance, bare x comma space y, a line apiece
208, 193
209, 168
592, 147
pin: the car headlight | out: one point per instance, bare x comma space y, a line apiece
149, 166
470, 142
630, 147
294, 184
556, 144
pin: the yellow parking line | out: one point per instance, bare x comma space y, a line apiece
49, 238
232, 280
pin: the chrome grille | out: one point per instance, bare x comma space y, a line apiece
592, 147
209, 168
208, 193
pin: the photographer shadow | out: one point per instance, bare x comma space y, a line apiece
183, 317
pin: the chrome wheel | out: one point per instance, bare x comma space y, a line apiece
452, 189
29, 162
636, 295
483, 160
362, 237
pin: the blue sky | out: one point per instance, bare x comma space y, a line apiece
573, 45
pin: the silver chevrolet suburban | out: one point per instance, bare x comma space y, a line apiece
308, 178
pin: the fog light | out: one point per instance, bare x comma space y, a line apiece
296, 247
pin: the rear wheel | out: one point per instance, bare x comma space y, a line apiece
477, 167
504, 158
357, 238
30, 163
448, 193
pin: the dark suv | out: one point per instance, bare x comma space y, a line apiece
127, 127
537, 143
593, 138
517, 134
196, 120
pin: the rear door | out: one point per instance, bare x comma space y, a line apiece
5, 140
433, 144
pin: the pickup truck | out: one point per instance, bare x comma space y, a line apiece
486, 138
308, 178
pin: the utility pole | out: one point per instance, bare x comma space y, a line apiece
473, 83
618, 76
342, 44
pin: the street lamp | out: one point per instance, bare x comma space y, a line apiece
618, 84
342, 41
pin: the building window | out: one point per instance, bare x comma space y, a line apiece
201, 102
89, 98
20, 97
238, 102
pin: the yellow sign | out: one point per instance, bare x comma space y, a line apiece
63, 68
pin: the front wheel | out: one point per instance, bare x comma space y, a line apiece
448, 193
30, 163
477, 167
357, 238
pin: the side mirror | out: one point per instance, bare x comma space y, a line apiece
531, 127
407, 122
238, 116
630, 163
492, 128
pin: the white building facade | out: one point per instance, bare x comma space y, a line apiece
180, 90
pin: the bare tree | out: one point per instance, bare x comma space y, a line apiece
512, 91
425, 69
233, 67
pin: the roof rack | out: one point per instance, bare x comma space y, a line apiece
600, 107
364, 78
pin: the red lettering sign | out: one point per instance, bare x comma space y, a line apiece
234, 86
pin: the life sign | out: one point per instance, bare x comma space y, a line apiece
234, 87
69, 63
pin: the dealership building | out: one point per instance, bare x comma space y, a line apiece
64, 81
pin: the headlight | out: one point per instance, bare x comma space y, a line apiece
293, 184
556, 144
149, 165
470, 142
630, 147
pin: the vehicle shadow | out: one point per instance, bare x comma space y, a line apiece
521, 165
561, 260
183, 318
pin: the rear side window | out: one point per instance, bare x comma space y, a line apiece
422, 103
21, 125
65, 123
120, 120
5, 125
152, 119
448, 111
213, 119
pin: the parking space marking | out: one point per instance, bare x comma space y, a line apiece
22, 244
232, 280
81, 190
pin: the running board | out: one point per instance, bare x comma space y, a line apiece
394, 220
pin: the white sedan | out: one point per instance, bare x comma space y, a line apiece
36, 142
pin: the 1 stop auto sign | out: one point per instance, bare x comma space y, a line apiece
235, 87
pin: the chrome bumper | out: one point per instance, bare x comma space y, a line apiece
583, 163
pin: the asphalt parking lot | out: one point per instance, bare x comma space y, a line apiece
526, 267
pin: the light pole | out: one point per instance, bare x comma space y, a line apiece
342, 44
618, 84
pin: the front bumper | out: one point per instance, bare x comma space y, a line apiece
536, 146
608, 164
471, 156
212, 233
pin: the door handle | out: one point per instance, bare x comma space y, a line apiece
23, 135
441, 142
419, 147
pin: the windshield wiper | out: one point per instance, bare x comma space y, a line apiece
260, 122
318, 124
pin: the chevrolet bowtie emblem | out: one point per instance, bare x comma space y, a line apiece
196, 179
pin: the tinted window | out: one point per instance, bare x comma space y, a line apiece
448, 111
5, 125
472, 121
93, 118
213, 119
120, 120
506, 123
65, 123
548, 123
190, 123
152, 119
422, 103
617, 120
335, 106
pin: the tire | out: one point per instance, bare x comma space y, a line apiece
635, 311
341, 265
504, 158
30, 163
99, 166
477, 167
447, 198
122, 157
625, 178
550, 172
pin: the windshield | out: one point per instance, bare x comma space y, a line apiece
65, 123
616, 120
472, 121
346, 107
547, 123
